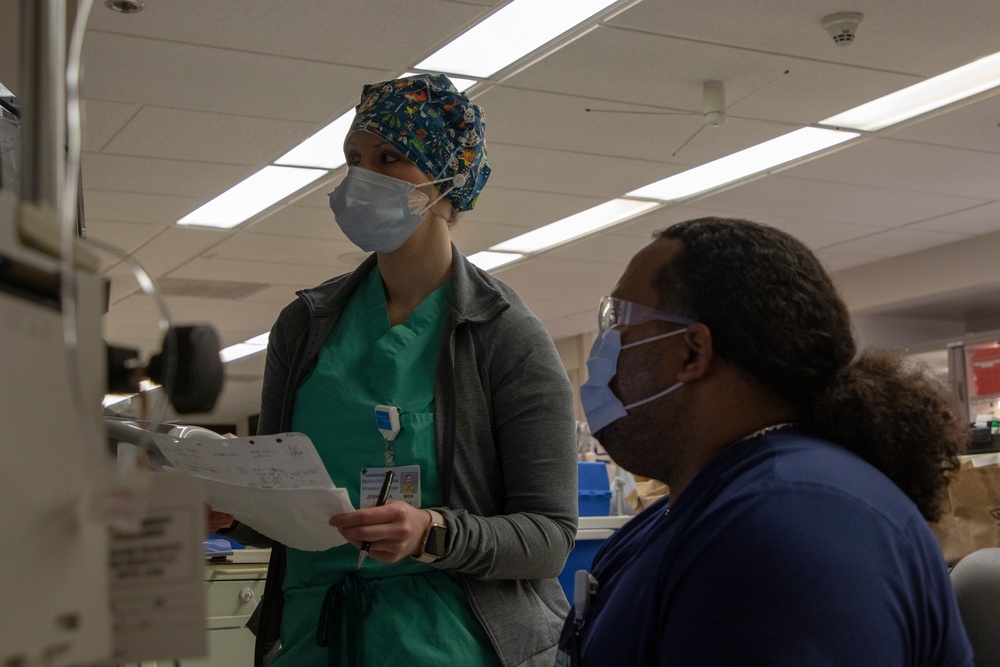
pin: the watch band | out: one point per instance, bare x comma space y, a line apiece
432, 542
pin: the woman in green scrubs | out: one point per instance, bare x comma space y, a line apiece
460, 568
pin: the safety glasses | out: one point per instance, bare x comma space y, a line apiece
615, 312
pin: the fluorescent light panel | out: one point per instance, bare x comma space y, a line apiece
922, 97
323, 150
487, 260
510, 34
583, 223
744, 163
244, 349
244, 200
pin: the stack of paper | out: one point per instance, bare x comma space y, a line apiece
276, 484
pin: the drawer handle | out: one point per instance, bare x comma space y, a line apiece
246, 595
234, 571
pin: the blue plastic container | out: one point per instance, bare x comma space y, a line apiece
580, 558
595, 490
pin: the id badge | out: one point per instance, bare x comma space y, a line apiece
405, 485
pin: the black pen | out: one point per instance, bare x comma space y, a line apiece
383, 496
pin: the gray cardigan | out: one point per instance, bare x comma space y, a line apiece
506, 453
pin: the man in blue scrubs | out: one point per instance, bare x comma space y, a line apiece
801, 476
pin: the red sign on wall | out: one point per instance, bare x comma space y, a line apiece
984, 375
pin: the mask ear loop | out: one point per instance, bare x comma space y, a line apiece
457, 181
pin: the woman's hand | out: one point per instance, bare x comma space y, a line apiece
395, 530
216, 521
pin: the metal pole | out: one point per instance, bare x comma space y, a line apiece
959, 378
43, 100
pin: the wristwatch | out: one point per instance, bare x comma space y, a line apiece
432, 543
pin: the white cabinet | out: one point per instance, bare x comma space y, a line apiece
234, 590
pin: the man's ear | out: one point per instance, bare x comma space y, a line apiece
698, 339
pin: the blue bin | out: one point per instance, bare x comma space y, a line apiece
595, 490
590, 537
580, 558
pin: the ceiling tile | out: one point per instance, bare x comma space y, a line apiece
103, 120
833, 261
125, 236
833, 199
207, 137
538, 170
894, 242
606, 247
132, 207
291, 250
499, 205
299, 221
572, 325
558, 309
974, 221
815, 234
472, 236
911, 168
297, 276
647, 135
175, 75
173, 247
544, 269
345, 31
158, 176
926, 38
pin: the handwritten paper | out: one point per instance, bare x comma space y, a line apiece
275, 484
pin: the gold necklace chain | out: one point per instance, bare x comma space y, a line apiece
766, 429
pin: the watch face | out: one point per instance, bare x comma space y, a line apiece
435, 541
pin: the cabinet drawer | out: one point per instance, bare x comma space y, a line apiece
230, 603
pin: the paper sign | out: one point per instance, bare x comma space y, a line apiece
157, 577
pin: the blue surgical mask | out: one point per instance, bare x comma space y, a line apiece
600, 404
378, 212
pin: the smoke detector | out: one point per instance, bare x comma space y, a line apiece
125, 6
842, 26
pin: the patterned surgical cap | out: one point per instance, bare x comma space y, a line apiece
432, 124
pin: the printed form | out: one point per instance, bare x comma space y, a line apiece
276, 484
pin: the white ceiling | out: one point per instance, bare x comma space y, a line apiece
187, 98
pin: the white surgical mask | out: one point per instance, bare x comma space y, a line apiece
378, 212
600, 404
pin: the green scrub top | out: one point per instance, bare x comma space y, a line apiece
405, 613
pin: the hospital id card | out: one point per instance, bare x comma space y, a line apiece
405, 485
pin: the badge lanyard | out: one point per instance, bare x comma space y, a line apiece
387, 421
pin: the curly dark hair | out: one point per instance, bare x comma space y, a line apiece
775, 314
